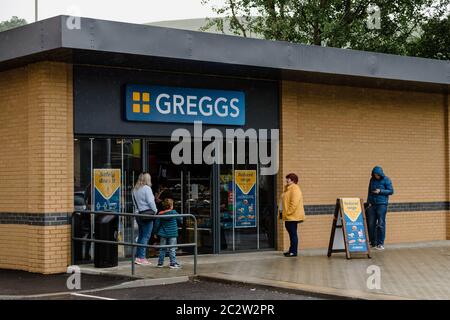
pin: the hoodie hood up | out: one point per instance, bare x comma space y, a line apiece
379, 171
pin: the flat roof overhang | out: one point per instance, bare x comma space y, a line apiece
117, 44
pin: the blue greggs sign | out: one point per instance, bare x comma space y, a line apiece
186, 105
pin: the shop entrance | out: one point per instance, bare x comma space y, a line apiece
190, 186
230, 218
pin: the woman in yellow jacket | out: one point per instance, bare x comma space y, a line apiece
292, 211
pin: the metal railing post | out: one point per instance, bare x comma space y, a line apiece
133, 244
73, 241
133, 249
196, 244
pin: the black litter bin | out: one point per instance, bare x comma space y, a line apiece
106, 228
82, 229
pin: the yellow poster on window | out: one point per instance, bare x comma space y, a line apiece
107, 189
245, 180
245, 199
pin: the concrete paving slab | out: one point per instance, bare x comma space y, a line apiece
298, 288
407, 271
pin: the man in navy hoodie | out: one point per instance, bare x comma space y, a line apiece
380, 188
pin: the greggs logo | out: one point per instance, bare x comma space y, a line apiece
186, 105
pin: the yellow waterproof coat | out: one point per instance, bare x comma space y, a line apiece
292, 204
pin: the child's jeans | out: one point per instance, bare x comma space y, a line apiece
162, 251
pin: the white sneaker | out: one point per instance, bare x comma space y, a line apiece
379, 247
142, 262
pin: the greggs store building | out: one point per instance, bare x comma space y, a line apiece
102, 102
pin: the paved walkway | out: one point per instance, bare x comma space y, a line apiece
416, 271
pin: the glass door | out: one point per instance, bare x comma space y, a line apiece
198, 202
190, 187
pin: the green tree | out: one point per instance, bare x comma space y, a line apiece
14, 22
434, 41
389, 26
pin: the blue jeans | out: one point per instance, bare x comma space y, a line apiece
172, 251
291, 227
376, 223
145, 232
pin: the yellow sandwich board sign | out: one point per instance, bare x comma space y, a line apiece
350, 218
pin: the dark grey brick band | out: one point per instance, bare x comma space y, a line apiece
36, 219
393, 207
57, 219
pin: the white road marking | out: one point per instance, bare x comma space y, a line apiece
89, 296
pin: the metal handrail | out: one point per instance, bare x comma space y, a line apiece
133, 244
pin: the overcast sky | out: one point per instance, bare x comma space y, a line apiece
133, 11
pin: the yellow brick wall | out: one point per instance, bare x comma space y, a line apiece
332, 136
36, 164
448, 226
402, 227
35, 248
14, 141
50, 137
447, 104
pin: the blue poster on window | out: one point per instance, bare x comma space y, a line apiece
354, 225
107, 190
245, 199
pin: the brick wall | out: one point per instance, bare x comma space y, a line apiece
36, 166
447, 105
35, 248
332, 136
448, 226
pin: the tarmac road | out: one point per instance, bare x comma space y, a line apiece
14, 282
191, 290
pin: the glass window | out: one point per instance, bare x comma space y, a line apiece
107, 153
191, 188
235, 235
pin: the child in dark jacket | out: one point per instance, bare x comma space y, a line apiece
167, 230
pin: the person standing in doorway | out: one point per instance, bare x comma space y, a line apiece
163, 193
144, 201
380, 188
167, 229
292, 211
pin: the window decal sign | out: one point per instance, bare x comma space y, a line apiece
107, 190
184, 105
245, 198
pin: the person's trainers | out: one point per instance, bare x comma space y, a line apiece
290, 254
175, 266
379, 247
142, 262
160, 265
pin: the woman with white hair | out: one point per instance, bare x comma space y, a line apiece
144, 201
